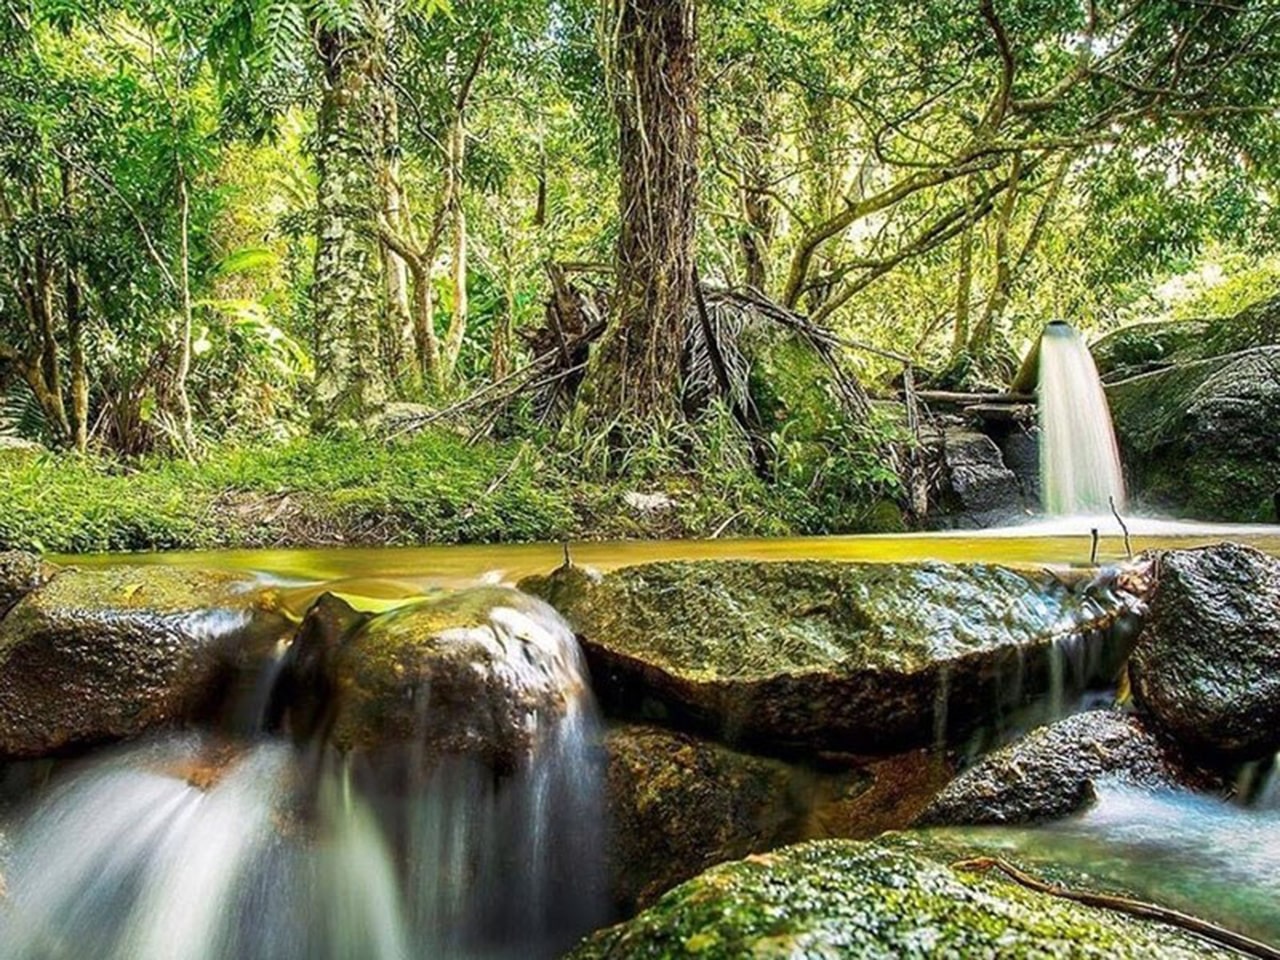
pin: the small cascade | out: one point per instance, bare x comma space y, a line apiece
1079, 460
235, 845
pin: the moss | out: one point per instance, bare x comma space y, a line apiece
883, 899
746, 620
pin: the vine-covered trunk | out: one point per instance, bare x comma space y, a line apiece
349, 383
635, 372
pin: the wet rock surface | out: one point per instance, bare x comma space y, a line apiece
1052, 772
889, 898
1200, 437
101, 654
1207, 663
986, 490
480, 672
807, 656
20, 573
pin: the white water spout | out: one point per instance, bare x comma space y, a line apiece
1079, 459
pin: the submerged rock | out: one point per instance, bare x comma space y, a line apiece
104, 653
865, 658
480, 672
679, 804
1051, 773
1207, 663
1200, 437
20, 573
884, 899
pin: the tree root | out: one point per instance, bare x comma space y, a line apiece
1134, 908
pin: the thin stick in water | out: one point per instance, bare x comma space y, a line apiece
1128, 546
1093, 551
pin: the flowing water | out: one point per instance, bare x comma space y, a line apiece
1193, 853
240, 843
1080, 471
213, 847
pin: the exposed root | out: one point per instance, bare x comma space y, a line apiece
1125, 905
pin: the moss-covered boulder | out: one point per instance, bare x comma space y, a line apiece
885, 899
480, 673
104, 653
1051, 773
1200, 438
1207, 663
20, 573
679, 804
805, 656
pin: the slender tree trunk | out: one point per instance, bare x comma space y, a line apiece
185, 420
757, 208
349, 382
397, 335
964, 280
458, 260
635, 369
504, 323
74, 307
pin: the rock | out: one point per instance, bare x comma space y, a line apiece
1051, 772
20, 573
1150, 345
679, 804
1020, 449
884, 899
1200, 437
807, 656
1207, 662
480, 673
104, 653
987, 492
647, 503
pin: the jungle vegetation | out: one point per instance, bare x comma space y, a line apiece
577, 242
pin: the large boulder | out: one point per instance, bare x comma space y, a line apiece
679, 804
104, 653
885, 899
481, 673
1207, 663
806, 656
984, 491
1200, 438
1052, 772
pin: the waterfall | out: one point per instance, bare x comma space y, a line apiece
1079, 460
215, 845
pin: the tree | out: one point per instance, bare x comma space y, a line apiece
635, 370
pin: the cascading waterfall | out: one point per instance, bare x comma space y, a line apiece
1079, 459
207, 847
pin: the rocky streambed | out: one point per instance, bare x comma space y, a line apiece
768, 726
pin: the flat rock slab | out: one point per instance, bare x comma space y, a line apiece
884, 899
1207, 663
866, 658
104, 653
1051, 773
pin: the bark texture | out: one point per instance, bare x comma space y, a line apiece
636, 370
349, 383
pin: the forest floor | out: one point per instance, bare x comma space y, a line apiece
431, 488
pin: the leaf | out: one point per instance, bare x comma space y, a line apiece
247, 260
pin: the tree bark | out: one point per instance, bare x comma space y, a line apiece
73, 303
457, 155
757, 235
349, 381
635, 370
186, 424
397, 334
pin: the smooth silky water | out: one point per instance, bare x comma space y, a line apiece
211, 847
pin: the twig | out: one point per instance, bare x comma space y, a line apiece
1134, 908
1128, 545
715, 534
1093, 551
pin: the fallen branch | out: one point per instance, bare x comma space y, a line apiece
1128, 545
1134, 908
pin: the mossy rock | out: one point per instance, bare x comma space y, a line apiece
105, 653
20, 573
883, 899
1200, 438
1144, 346
680, 803
480, 673
868, 658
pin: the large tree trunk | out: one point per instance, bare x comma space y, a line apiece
349, 383
635, 372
